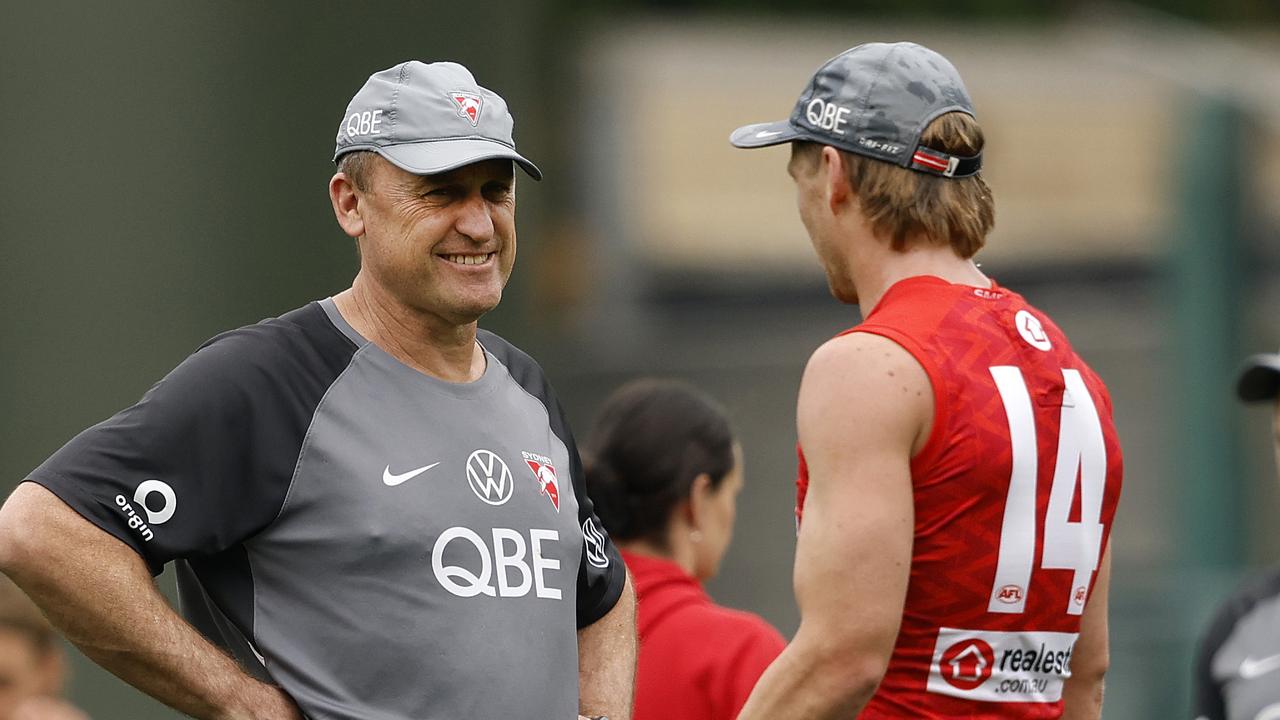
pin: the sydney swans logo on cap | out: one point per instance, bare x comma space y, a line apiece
469, 105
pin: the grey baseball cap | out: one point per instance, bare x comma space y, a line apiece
1260, 379
429, 118
875, 100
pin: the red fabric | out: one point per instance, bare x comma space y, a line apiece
961, 481
698, 660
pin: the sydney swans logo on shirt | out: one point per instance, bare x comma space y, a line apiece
142, 496
546, 476
489, 477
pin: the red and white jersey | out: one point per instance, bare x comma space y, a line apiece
1015, 490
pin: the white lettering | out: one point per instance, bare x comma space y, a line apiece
508, 555
842, 118
449, 576
364, 123
827, 116
503, 562
134, 521
542, 564
813, 111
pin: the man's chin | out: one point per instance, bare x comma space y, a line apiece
846, 295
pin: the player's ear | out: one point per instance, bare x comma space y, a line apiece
835, 178
699, 500
346, 200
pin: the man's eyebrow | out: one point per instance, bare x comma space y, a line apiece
422, 182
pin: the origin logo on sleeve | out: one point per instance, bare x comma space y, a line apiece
1001, 666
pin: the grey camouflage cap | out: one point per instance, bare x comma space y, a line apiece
429, 118
875, 100
1260, 379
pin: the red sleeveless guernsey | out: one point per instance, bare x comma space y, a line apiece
1014, 493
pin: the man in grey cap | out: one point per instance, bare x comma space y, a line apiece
959, 467
374, 508
1237, 668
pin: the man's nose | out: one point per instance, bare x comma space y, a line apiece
474, 219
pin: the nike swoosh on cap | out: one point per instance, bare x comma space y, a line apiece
1251, 668
391, 479
768, 133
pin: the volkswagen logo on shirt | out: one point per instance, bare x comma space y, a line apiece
489, 477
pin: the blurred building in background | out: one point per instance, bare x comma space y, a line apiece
165, 170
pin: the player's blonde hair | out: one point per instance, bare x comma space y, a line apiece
901, 203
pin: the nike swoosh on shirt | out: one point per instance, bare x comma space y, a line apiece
391, 479
1250, 668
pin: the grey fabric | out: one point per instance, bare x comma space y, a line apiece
350, 611
382, 544
1238, 669
429, 118
874, 99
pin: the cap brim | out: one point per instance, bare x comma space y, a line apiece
1260, 379
438, 156
760, 135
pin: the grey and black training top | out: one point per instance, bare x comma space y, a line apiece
380, 543
1237, 673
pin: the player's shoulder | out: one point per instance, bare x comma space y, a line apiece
506, 351
519, 364
1252, 592
271, 353
862, 387
730, 626
863, 359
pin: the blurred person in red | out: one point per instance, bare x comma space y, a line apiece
959, 466
664, 471
1237, 667
32, 663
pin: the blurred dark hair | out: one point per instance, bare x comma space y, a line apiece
651, 439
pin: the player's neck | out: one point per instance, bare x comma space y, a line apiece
427, 343
873, 276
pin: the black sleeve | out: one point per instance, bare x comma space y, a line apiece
601, 572
1207, 694
204, 460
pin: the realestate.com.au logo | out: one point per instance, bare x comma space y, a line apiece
1001, 666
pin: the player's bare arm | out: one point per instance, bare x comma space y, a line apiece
607, 660
1082, 692
865, 406
99, 593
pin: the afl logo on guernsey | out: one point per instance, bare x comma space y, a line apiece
1031, 330
489, 477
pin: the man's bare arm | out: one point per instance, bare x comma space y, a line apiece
865, 404
1082, 692
607, 660
98, 592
